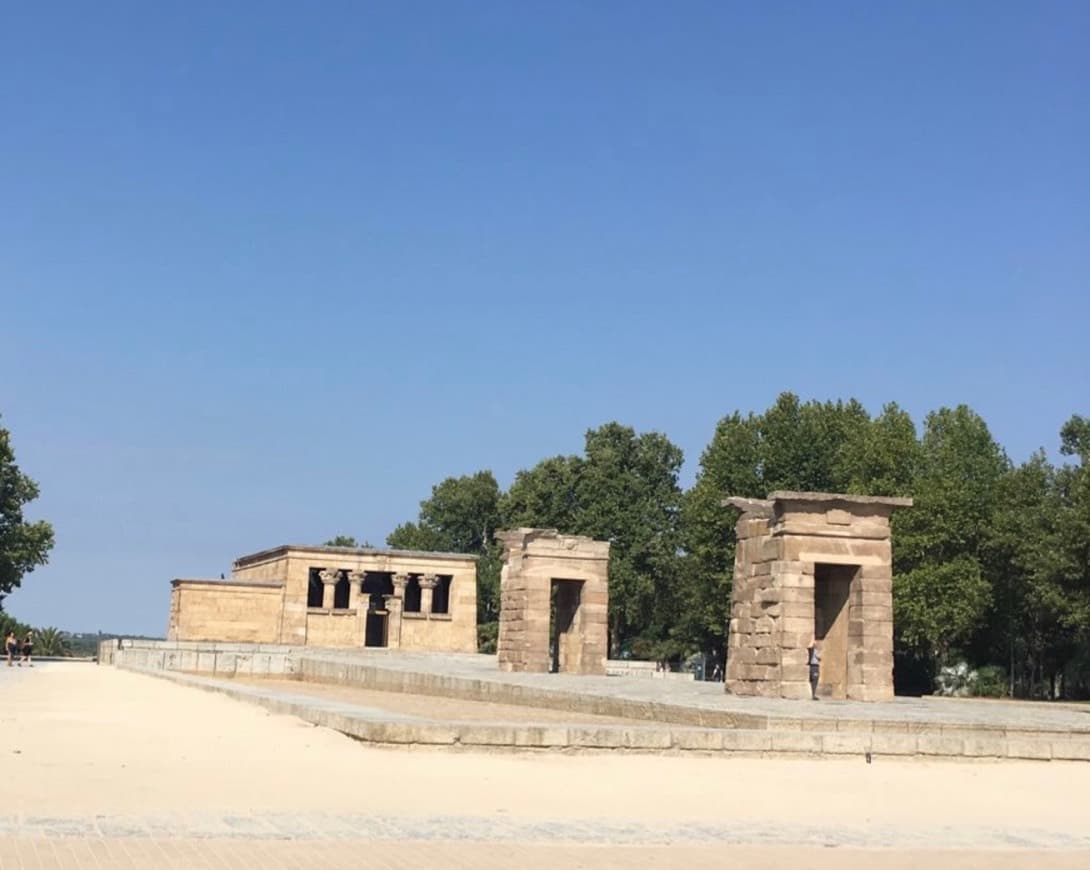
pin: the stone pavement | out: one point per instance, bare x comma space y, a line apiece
115, 769
710, 696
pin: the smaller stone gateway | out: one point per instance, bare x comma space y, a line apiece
554, 602
808, 566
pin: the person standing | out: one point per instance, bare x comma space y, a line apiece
11, 646
813, 659
28, 648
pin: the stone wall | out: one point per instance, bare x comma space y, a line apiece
333, 628
229, 611
223, 659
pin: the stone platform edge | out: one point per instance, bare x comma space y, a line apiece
330, 670
637, 738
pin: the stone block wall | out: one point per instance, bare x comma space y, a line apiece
228, 611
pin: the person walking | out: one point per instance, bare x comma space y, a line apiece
11, 646
813, 659
28, 648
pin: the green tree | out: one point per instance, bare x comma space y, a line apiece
9, 623
24, 545
462, 516
346, 541
50, 642
941, 594
881, 458
624, 490
730, 465
545, 496
802, 446
1040, 608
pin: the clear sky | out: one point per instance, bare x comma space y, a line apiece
268, 271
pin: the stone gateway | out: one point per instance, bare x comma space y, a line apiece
554, 602
812, 567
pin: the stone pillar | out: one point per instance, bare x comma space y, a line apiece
359, 603
355, 581
329, 579
400, 582
428, 583
393, 619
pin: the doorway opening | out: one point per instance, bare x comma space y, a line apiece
832, 589
376, 586
565, 629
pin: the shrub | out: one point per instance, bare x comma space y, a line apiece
990, 682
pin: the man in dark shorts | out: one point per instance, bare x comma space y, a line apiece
28, 648
11, 646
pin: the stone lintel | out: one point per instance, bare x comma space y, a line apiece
840, 498
552, 543
754, 507
250, 584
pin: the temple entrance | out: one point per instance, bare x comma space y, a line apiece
376, 586
832, 588
375, 631
565, 637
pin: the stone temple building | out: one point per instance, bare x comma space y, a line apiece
812, 566
554, 602
334, 597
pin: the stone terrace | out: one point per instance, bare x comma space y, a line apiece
661, 714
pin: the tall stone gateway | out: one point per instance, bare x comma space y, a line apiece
554, 601
812, 566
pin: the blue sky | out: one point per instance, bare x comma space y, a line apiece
269, 271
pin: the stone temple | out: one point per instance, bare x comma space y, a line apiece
334, 597
812, 566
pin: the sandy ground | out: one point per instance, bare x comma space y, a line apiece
95, 752
432, 707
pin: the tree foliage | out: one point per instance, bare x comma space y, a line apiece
623, 489
24, 545
346, 541
941, 592
462, 516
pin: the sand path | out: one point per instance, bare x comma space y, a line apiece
109, 757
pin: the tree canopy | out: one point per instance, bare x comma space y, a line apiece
24, 545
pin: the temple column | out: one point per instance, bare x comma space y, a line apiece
393, 621
400, 582
329, 578
357, 600
355, 580
427, 586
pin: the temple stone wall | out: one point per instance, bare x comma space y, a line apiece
537, 561
333, 628
243, 612
812, 565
